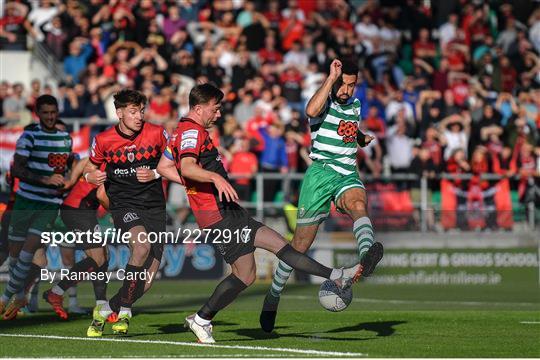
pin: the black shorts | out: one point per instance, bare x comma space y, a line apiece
153, 220
243, 227
81, 220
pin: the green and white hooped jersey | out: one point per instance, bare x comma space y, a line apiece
333, 136
47, 154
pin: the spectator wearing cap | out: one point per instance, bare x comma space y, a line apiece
455, 129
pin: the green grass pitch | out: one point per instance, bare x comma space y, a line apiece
383, 321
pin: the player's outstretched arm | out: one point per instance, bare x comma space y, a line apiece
191, 170
317, 102
167, 168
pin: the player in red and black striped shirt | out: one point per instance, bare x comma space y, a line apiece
192, 159
132, 150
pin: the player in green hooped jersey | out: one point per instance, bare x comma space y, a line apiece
334, 117
42, 157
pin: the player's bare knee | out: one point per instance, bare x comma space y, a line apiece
140, 253
248, 278
99, 259
358, 206
301, 245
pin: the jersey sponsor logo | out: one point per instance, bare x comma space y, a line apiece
347, 130
190, 134
130, 216
188, 144
58, 162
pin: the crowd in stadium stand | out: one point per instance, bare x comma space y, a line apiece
453, 87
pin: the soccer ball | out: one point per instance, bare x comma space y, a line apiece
333, 298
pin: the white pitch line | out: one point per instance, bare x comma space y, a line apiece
391, 301
529, 322
358, 300
181, 343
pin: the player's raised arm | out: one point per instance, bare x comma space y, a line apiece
318, 101
191, 170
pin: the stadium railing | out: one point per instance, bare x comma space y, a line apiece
290, 182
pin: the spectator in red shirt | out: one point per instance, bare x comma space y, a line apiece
433, 144
160, 108
291, 26
291, 82
424, 48
273, 14
375, 123
508, 75
243, 162
14, 26
269, 54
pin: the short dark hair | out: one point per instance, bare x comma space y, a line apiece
349, 67
127, 97
46, 100
202, 94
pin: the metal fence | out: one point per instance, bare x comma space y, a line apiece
423, 206
261, 207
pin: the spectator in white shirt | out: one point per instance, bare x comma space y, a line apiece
296, 56
455, 130
448, 30
368, 33
399, 147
